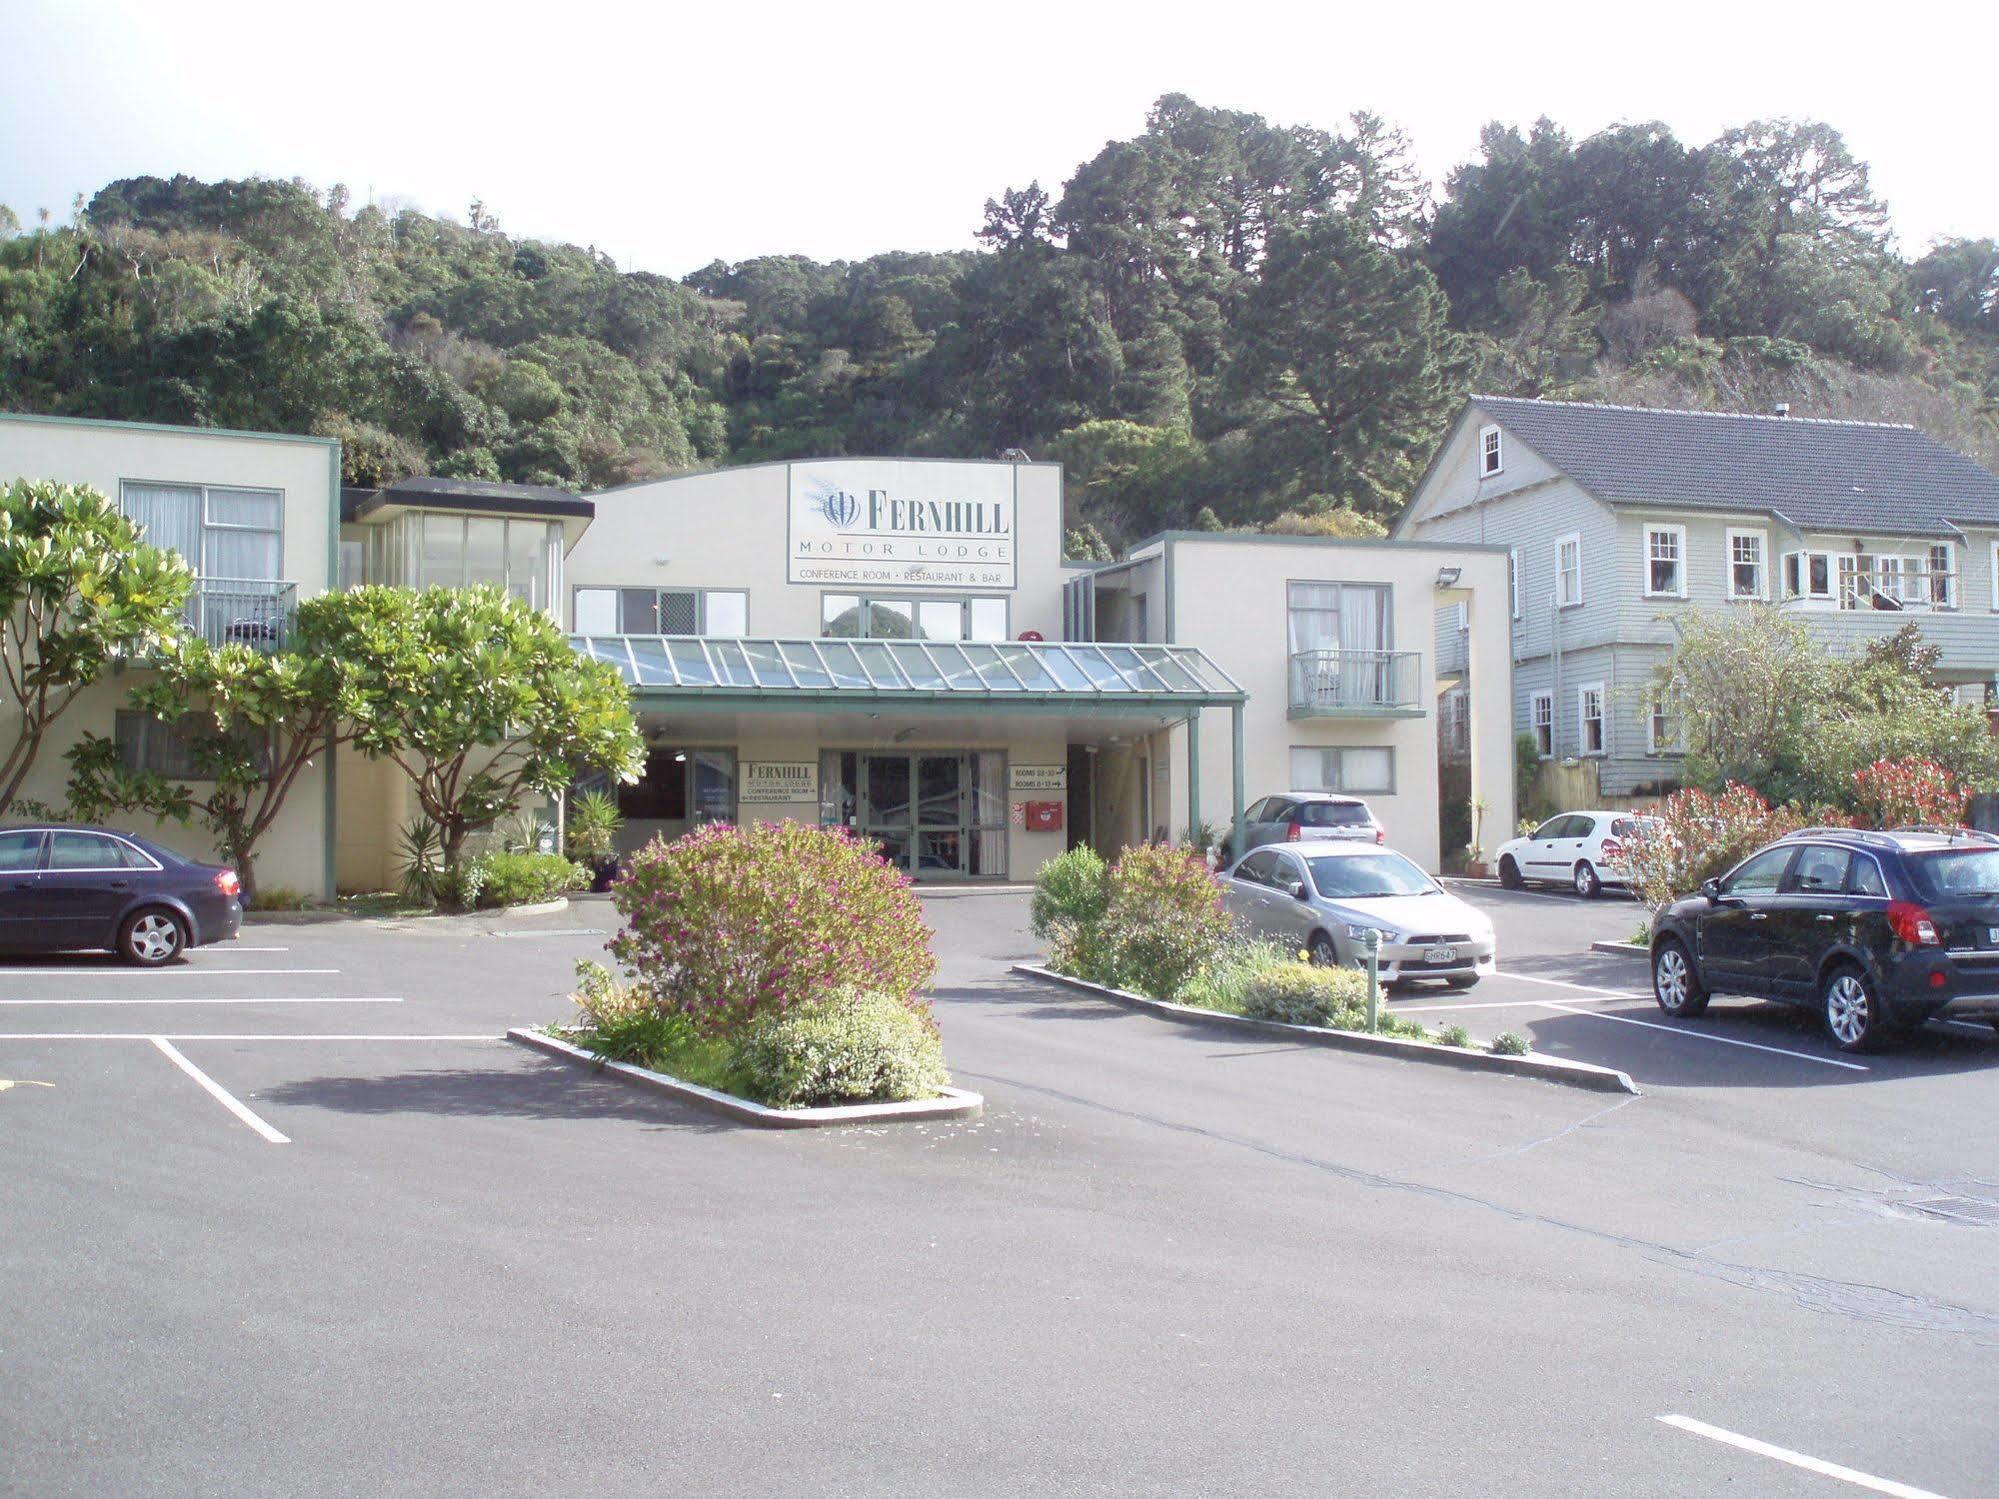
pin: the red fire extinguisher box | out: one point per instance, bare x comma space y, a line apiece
1044, 817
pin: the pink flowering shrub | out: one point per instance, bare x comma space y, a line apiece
734, 924
1699, 835
1908, 793
1163, 919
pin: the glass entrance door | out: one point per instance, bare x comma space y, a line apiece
938, 815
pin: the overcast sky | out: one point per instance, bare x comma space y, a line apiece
670, 135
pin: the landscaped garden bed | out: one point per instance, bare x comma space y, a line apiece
1151, 932
769, 969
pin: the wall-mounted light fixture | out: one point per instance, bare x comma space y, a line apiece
1447, 577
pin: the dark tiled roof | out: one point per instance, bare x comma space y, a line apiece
481, 496
1825, 475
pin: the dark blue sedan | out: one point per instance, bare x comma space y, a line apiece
69, 887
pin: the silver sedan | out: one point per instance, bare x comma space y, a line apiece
1324, 901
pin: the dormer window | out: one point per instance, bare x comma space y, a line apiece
1489, 459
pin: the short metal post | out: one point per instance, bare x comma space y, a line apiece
1371, 945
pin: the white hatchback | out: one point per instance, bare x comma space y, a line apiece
1583, 850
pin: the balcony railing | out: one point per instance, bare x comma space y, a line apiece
242, 611
1355, 684
1870, 584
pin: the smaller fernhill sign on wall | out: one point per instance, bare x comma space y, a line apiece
779, 781
857, 522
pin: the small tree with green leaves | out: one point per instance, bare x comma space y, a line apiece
251, 722
481, 700
79, 589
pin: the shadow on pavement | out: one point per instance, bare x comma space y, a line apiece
536, 1090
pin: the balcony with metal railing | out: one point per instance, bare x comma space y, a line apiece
242, 611
1356, 684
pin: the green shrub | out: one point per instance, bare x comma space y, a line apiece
1302, 994
731, 924
624, 1025
280, 898
1070, 893
592, 826
1454, 1035
1224, 982
420, 854
1508, 1044
853, 1047
1164, 920
522, 879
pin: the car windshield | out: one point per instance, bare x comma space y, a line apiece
1367, 876
1332, 814
1954, 873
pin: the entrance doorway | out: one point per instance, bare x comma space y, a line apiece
937, 814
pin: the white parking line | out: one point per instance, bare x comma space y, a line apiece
1799, 1460
1486, 1004
234, 948
188, 972
553, 931
216, 1091
330, 999
1692, 1035
1596, 989
215, 1036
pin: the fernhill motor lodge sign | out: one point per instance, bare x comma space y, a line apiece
864, 523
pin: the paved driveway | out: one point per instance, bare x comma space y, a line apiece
1163, 1262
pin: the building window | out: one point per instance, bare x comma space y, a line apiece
1334, 619
432, 548
662, 611
1569, 571
1808, 575
1662, 730
235, 534
1943, 575
1589, 718
1357, 769
1489, 456
1745, 566
148, 745
1666, 562
1542, 713
849, 616
1513, 583
683, 785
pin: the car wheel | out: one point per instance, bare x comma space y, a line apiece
1588, 886
1509, 874
1462, 980
1325, 952
151, 937
1675, 985
1854, 1016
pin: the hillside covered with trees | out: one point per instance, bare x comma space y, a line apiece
1219, 322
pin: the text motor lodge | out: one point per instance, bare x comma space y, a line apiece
879, 525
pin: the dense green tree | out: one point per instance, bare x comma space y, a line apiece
80, 590
1346, 344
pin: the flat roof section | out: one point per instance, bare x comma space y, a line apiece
1016, 675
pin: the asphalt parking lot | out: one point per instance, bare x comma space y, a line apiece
290, 1218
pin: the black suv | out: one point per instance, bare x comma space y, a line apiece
1877, 931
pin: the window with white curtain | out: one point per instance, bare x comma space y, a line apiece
1354, 768
224, 533
1569, 571
455, 551
1348, 617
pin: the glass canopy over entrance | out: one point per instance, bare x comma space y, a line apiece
1015, 670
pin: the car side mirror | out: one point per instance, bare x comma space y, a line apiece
1297, 888
1711, 888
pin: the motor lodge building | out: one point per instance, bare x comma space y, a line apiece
892, 645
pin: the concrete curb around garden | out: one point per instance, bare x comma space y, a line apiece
1622, 949
954, 1103
1569, 1074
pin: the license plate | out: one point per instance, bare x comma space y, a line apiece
1440, 955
